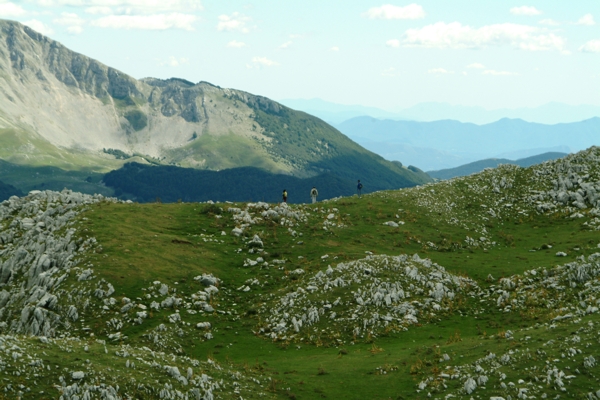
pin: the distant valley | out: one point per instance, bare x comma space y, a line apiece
448, 144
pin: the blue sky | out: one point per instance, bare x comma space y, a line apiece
495, 54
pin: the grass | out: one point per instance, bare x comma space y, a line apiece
173, 243
21, 147
217, 152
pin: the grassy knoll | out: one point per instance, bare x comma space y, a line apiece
489, 296
172, 243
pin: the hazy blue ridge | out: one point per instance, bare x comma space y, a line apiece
479, 166
334, 113
550, 113
448, 144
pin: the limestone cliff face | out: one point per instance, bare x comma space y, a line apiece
73, 101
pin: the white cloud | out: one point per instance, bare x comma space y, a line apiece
69, 19
498, 73
335, 48
174, 62
236, 44
393, 43
388, 11
587, 19
39, 27
98, 10
285, 45
232, 23
130, 6
11, 10
525, 10
549, 22
264, 62
593, 46
457, 36
476, 66
391, 72
148, 22
75, 30
440, 71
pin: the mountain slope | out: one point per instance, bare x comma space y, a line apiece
64, 109
480, 165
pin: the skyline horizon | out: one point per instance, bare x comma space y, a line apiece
551, 113
387, 56
436, 102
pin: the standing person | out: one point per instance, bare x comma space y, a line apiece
284, 195
359, 187
314, 194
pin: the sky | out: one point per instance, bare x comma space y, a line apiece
493, 53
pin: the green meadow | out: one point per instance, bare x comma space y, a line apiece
536, 342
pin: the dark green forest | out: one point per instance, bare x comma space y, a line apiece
7, 190
146, 183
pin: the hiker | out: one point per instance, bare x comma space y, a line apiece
284, 196
359, 187
314, 194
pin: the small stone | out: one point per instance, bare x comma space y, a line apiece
78, 375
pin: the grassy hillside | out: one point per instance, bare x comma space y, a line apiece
27, 178
476, 287
317, 147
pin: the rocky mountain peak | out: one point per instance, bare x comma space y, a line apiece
33, 53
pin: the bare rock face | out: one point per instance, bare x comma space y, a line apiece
75, 102
36, 257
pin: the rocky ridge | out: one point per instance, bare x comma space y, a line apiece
390, 294
568, 186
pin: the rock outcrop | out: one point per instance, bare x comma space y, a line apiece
38, 250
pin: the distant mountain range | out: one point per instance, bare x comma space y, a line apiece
62, 109
448, 144
551, 113
480, 165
